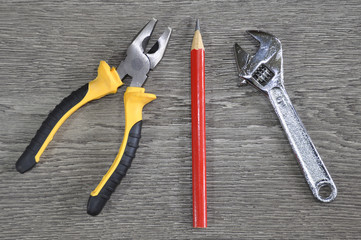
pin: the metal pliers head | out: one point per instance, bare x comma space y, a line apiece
264, 70
137, 63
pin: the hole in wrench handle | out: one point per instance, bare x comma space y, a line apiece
330, 186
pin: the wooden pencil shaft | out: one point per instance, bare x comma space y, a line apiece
198, 133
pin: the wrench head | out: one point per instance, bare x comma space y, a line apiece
138, 63
264, 70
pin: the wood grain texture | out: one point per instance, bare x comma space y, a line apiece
255, 188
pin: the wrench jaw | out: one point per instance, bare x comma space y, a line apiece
264, 70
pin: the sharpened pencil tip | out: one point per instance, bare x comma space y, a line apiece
197, 25
197, 42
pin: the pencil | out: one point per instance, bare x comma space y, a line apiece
198, 131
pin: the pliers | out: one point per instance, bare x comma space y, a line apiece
137, 64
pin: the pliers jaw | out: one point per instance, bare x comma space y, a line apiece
137, 63
264, 70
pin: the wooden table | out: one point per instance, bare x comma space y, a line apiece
255, 187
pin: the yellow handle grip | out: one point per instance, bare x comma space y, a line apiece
135, 99
106, 82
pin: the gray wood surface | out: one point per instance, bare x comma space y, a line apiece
255, 187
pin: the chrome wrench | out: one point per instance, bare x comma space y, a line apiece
264, 70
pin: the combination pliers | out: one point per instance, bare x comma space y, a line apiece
137, 64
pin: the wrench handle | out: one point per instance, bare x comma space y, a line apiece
309, 159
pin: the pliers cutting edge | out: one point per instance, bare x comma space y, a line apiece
137, 64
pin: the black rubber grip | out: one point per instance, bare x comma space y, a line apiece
96, 203
27, 159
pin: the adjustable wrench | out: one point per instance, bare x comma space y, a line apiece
264, 71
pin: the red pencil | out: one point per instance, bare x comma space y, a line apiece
198, 132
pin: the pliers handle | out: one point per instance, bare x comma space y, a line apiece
136, 65
135, 99
107, 82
